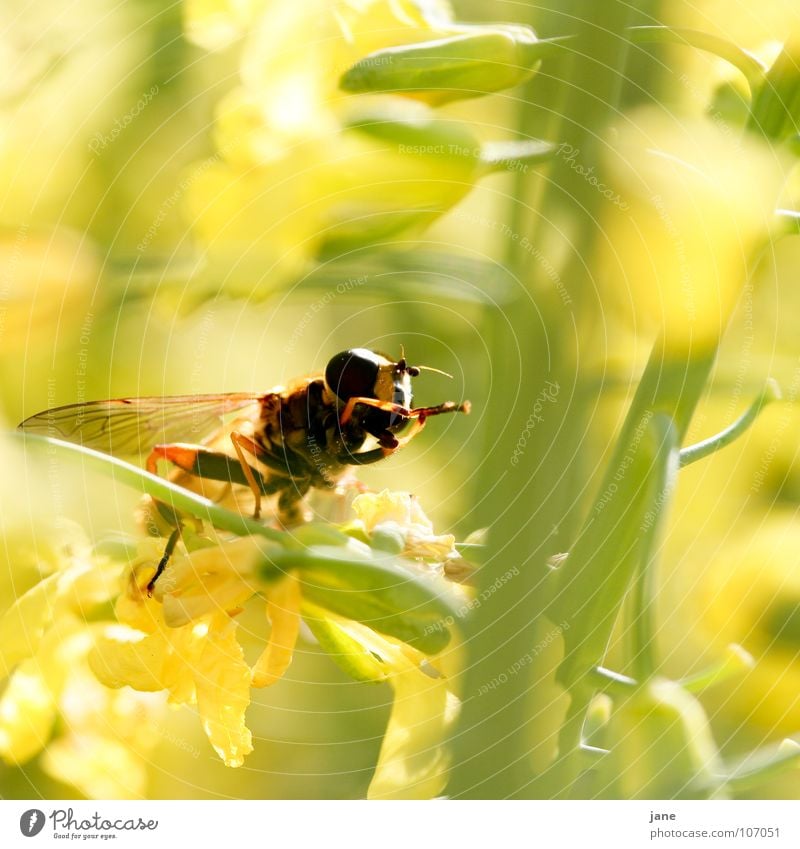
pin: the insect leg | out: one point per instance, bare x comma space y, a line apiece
203, 463
388, 406
239, 443
365, 457
162, 564
446, 407
385, 450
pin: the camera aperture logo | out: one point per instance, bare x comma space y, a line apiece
31, 822
67, 826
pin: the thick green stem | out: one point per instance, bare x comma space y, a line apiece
644, 588
499, 745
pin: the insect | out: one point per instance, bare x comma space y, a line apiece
279, 444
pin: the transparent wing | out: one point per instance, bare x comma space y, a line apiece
132, 426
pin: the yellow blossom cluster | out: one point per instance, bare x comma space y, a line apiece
180, 641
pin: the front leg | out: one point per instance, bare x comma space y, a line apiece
388, 444
414, 413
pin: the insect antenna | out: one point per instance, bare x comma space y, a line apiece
435, 370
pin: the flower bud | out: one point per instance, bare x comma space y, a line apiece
476, 61
661, 745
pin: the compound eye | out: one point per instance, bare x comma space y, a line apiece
353, 374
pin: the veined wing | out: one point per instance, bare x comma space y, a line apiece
132, 426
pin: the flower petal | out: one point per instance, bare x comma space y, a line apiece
222, 681
413, 761
22, 625
28, 704
100, 767
283, 609
123, 657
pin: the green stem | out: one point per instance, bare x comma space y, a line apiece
751, 67
789, 220
736, 662
761, 766
613, 682
150, 484
644, 588
693, 453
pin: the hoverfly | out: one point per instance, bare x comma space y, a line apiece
279, 444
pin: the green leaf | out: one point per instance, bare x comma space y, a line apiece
378, 591
775, 111
347, 653
760, 766
602, 564
735, 662
661, 745
420, 135
315, 533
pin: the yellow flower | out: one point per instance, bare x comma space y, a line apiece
400, 516
86, 692
89, 737
214, 24
295, 177
183, 640
683, 223
66, 78
751, 595
187, 646
108, 738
